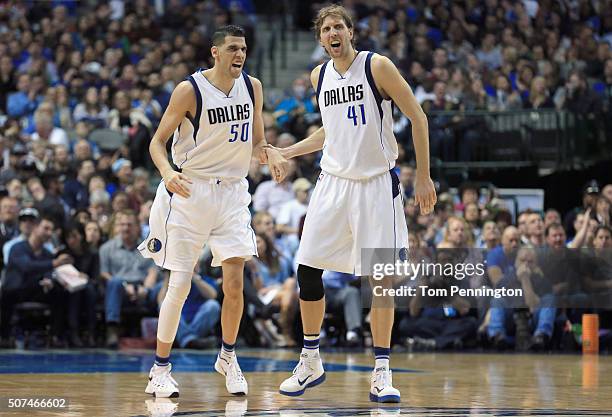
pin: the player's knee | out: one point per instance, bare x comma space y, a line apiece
232, 287
311, 283
178, 287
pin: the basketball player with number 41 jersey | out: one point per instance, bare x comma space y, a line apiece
357, 201
215, 116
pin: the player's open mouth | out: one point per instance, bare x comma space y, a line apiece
335, 46
237, 65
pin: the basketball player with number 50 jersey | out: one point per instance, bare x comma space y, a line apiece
216, 117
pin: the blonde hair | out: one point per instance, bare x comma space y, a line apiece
468, 232
335, 10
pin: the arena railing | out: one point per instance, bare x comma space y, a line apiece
546, 137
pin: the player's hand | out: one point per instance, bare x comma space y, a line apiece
263, 156
278, 163
177, 182
424, 194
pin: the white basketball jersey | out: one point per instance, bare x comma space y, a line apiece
218, 141
358, 123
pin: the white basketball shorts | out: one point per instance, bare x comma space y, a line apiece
216, 213
347, 215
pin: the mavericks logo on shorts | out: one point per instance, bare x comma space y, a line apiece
154, 245
403, 254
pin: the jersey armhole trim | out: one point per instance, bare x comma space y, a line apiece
198, 94
370, 78
249, 86
320, 81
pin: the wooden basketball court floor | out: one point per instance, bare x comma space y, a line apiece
107, 383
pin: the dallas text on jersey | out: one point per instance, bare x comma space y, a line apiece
343, 95
229, 113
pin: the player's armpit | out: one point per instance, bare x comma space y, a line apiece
182, 102
388, 78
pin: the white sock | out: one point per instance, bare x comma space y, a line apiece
382, 363
311, 345
227, 354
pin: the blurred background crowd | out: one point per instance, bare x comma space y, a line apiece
83, 88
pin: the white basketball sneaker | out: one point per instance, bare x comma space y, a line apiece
234, 380
308, 373
381, 387
161, 384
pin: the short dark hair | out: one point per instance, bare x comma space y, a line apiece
602, 227
553, 226
49, 218
218, 37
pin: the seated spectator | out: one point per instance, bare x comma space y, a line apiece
61, 163
84, 300
122, 170
537, 296
489, 52
134, 125
521, 223
344, 298
93, 235
263, 223
270, 195
76, 192
457, 234
25, 100
535, 230
91, 110
129, 277
490, 237
274, 282
500, 260
29, 278
436, 324
15, 189
597, 279
100, 209
28, 219
139, 191
471, 214
120, 202
579, 98
538, 95
8, 80
602, 210
9, 216
504, 98
291, 212
47, 133
200, 314
551, 216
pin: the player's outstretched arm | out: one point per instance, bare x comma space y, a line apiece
391, 83
277, 163
182, 102
312, 143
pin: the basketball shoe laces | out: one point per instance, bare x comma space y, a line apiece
234, 373
383, 378
302, 369
163, 378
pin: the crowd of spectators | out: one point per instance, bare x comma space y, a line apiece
84, 86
